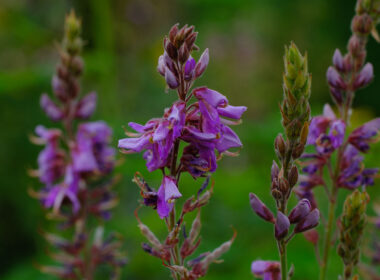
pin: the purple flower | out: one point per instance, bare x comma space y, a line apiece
166, 195
92, 152
266, 270
157, 136
51, 160
365, 134
68, 189
336, 134
260, 208
50, 108
189, 68
86, 106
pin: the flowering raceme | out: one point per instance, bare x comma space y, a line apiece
201, 119
74, 166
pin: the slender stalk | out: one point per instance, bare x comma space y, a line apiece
328, 234
283, 259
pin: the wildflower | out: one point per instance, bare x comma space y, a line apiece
267, 270
166, 195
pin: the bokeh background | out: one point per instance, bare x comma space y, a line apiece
123, 41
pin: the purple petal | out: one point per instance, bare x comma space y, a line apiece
214, 98
338, 60
171, 79
86, 106
281, 226
229, 139
260, 208
233, 112
300, 211
311, 221
50, 108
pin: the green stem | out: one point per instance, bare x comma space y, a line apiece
328, 234
283, 259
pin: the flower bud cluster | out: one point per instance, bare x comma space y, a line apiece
74, 165
302, 216
351, 228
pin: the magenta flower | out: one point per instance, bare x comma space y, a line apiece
92, 152
365, 134
157, 136
166, 195
266, 270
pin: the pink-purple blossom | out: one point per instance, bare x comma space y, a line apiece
266, 270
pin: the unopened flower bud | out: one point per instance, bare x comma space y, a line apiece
275, 170
338, 61
279, 145
354, 46
183, 54
283, 185
161, 65
260, 208
293, 176
202, 64
50, 108
282, 225
173, 32
362, 24
337, 95
86, 106
365, 76
300, 211
334, 79
171, 49
171, 79
309, 222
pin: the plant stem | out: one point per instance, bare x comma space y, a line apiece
328, 233
284, 267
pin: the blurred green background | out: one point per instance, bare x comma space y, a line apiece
246, 39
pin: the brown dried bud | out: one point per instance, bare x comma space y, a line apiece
277, 195
183, 54
173, 32
298, 150
170, 49
293, 176
283, 185
362, 24
280, 146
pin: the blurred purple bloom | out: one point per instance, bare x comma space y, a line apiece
51, 160
202, 63
92, 152
319, 124
68, 189
365, 134
86, 106
334, 78
338, 60
266, 270
166, 195
352, 172
50, 108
